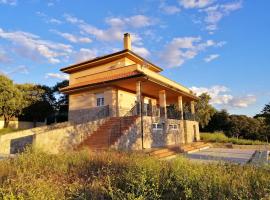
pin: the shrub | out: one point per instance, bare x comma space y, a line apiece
221, 138
114, 175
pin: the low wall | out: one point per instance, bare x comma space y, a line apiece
51, 139
21, 124
132, 139
192, 132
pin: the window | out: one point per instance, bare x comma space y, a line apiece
173, 127
100, 99
157, 126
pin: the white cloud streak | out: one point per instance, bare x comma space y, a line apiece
195, 3
85, 54
181, 49
31, 46
20, 69
73, 38
9, 2
60, 76
117, 27
220, 96
216, 13
211, 57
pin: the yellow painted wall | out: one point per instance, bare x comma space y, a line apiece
93, 72
126, 101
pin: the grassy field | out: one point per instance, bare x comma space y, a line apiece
221, 138
113, 175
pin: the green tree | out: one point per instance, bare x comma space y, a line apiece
265, 114
219, 122
204, 110
40, 102
11, 101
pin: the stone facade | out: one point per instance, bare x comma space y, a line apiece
51, 139
132, 139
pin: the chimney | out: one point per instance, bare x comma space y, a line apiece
127, 41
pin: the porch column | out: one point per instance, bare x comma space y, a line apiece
180, 106
192, 107
162, 103
138, 96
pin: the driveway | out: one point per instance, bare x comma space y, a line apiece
240, 156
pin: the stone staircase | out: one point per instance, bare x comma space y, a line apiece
172, 151
108, 133
165, 153
193, 147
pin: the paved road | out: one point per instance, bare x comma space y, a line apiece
240, 156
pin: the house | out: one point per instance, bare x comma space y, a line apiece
143, 108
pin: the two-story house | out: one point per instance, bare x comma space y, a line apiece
143, 108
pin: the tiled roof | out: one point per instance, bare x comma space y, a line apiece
100, 80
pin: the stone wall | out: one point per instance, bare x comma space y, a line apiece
132, 139
51, 139
192, 132
21, 124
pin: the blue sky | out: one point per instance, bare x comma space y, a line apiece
215, 46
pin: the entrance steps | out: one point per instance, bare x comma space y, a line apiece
108, 133
194, 147
169, 152
164, 152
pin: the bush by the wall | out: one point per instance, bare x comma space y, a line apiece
221, 138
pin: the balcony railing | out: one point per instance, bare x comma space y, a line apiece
156, 111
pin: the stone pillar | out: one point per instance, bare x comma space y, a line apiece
180, 106
138, 96
162, 103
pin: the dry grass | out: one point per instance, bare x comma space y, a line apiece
114, 175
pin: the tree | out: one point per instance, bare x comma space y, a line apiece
11, 101
61, 101
219, 122
40, 102
204, 110
266, 113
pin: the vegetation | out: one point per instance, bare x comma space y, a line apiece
31, 102
113, 175
11, 101
4, 131
221, 138
204, 110
240, 126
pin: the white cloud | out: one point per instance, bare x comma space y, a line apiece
195, 3
85, 54
48, 19
117, 27
137, 21
211, 57
243, 102
217, 12
60, 76
31, 46
181, 49
141, 51
20, 69
9, 2
220, 95
73, 38
55, 21
169, 9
